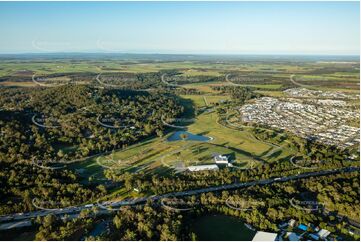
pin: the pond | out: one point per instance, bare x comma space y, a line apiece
221, 227
99, 229
177, 136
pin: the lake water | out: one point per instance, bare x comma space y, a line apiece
177, 136
99, 228
221, 227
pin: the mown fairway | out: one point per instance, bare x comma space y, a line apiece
160, 156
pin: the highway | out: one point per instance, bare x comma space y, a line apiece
13, 219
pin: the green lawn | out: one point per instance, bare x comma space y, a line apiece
200, 100
158, 156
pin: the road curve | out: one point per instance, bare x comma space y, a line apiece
297, 83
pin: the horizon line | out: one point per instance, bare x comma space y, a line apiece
175, 53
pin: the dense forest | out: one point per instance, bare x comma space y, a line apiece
268, 206
39, 123
130, 81
238, 94
42, 127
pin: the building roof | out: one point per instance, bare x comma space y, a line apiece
264, 236
221, 158
323, 233
314, 236
302, 227
203, 167
291, 222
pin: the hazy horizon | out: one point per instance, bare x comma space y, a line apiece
173, 53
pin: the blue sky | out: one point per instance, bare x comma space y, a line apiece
181, 27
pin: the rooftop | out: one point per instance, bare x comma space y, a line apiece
203, 167
221, 159
264, 236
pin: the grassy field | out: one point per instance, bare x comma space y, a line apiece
200, 72
50, 67
18, 84
42, 68
336, 81
204, 87
242, 143
203, 100
276, 73
203, 153
159, 156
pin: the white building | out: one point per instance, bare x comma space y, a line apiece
291, 222
203, 168
221, 159
264, 236
323, 233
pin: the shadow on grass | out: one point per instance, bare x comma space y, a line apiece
275, 154
189, 110
266, 152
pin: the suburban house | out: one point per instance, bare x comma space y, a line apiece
302, 232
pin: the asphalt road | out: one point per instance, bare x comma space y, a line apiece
297, 83
13, 220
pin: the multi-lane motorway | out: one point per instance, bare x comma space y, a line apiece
22, 219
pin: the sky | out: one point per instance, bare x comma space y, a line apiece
330, 28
